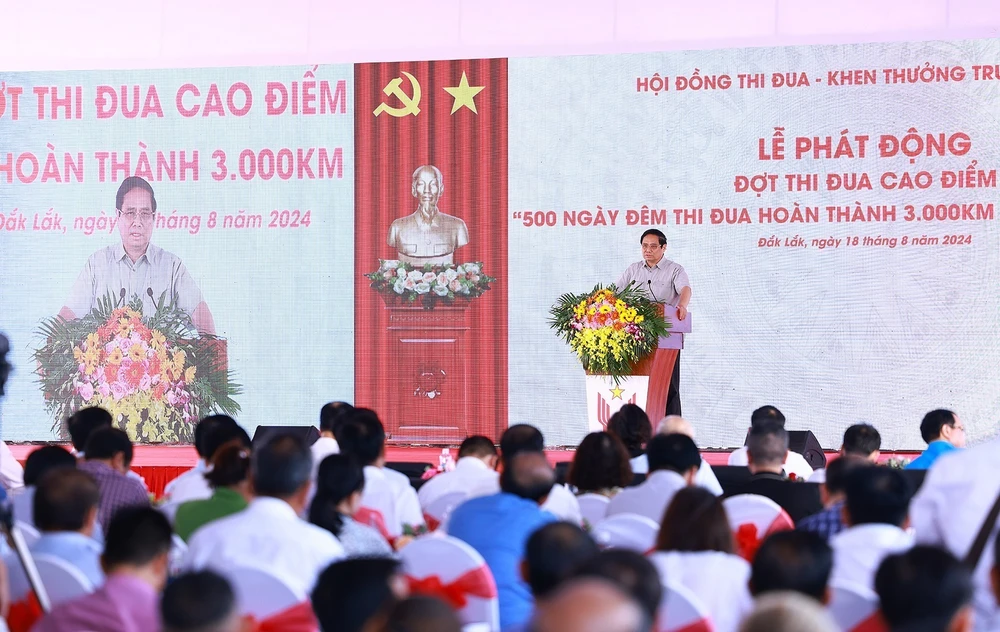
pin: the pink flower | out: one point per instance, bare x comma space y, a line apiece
86, 391
474, 278
409, 284
104, 389
82, 368
454, 286
118, 390
171, 397
442, 279
145, 382
429, 277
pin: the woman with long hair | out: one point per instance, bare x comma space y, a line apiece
600, 465
340, 482
229, 478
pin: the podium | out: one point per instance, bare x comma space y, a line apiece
648, 384
430, 400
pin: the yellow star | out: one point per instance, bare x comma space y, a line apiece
616, 392
464, 94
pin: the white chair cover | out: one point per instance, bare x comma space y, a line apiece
444, 567
593, 507
17, 578
260, 593
851, 605
752, 518
626, 531
63, 581
438, 511
682, 611
178, 548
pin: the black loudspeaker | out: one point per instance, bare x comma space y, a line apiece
309, 433
805, 443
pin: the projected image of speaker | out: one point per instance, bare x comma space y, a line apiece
308, 433
805, 443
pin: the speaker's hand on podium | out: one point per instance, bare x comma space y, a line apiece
682, 312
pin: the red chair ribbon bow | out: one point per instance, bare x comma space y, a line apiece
747, 541
374, 518
476, 583
432, 522
298, 618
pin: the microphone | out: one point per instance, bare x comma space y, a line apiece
149, 293
649, 284
121, 297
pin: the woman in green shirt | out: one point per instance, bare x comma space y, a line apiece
229, 477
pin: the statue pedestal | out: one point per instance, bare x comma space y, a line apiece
428, 398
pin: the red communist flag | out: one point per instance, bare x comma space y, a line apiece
431, 194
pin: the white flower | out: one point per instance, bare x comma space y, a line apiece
465, 289
415, 275
422, 287
442, 279
398, 286
472, 268
451, 274
390, 264
460, 268
441, 290
429, 277
401, 273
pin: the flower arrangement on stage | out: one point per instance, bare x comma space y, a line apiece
609, 329
402, 283
155, 376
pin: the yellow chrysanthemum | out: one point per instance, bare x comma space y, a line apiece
179, 358
116, 356
136, 353
158, 339
189, 374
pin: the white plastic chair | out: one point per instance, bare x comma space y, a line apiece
593, 507
178, 548
433, 562
752, 518
626, 531
437, 511
851, 605
30, 532
63, 581
680, 610
261, 593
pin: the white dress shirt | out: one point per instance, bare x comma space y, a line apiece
190, 485
950, 508
199, 468
561, 503
11, 472
324, 447
650, 498
795, 463
269, 536
858, 551
704, 478
818, 476
390, 492
719, 580
469, 473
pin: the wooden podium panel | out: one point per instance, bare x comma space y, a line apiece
429, 368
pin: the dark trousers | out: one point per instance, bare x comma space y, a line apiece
674, 393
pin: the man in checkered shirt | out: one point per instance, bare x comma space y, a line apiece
107, 458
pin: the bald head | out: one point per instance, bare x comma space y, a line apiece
675, 424
528, 475
590, 605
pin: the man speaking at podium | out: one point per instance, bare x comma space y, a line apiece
663, 281
137, 267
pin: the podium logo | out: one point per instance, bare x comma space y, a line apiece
604, 411
411, 102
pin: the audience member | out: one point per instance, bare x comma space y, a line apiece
330, 417
65, 510
108, 457
767, 450
788, 612
675, 424
943, 432
925, 589
794, 463
340, 482
519, 438
859, 440
830, 521
798, 561
694, 549
552, 555
631, 424
269, 534
201, 601
498, 527
423, 614
600, 465
673, 462
83, 422
229, 478
362, 436
631, 572
476, 466
358, 594
191, 484
875, 513
40, 462
136, 561
591, 605
950, 508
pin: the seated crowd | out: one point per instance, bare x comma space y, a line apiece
642, 534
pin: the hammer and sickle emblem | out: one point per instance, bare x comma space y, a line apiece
410, 104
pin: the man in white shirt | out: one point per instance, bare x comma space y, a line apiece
526, 438
269, 533
191, 485
795, 466
330, 417
675, 424
477, 462
875, 510
362, 435
673, 462
860, 439
950, 508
